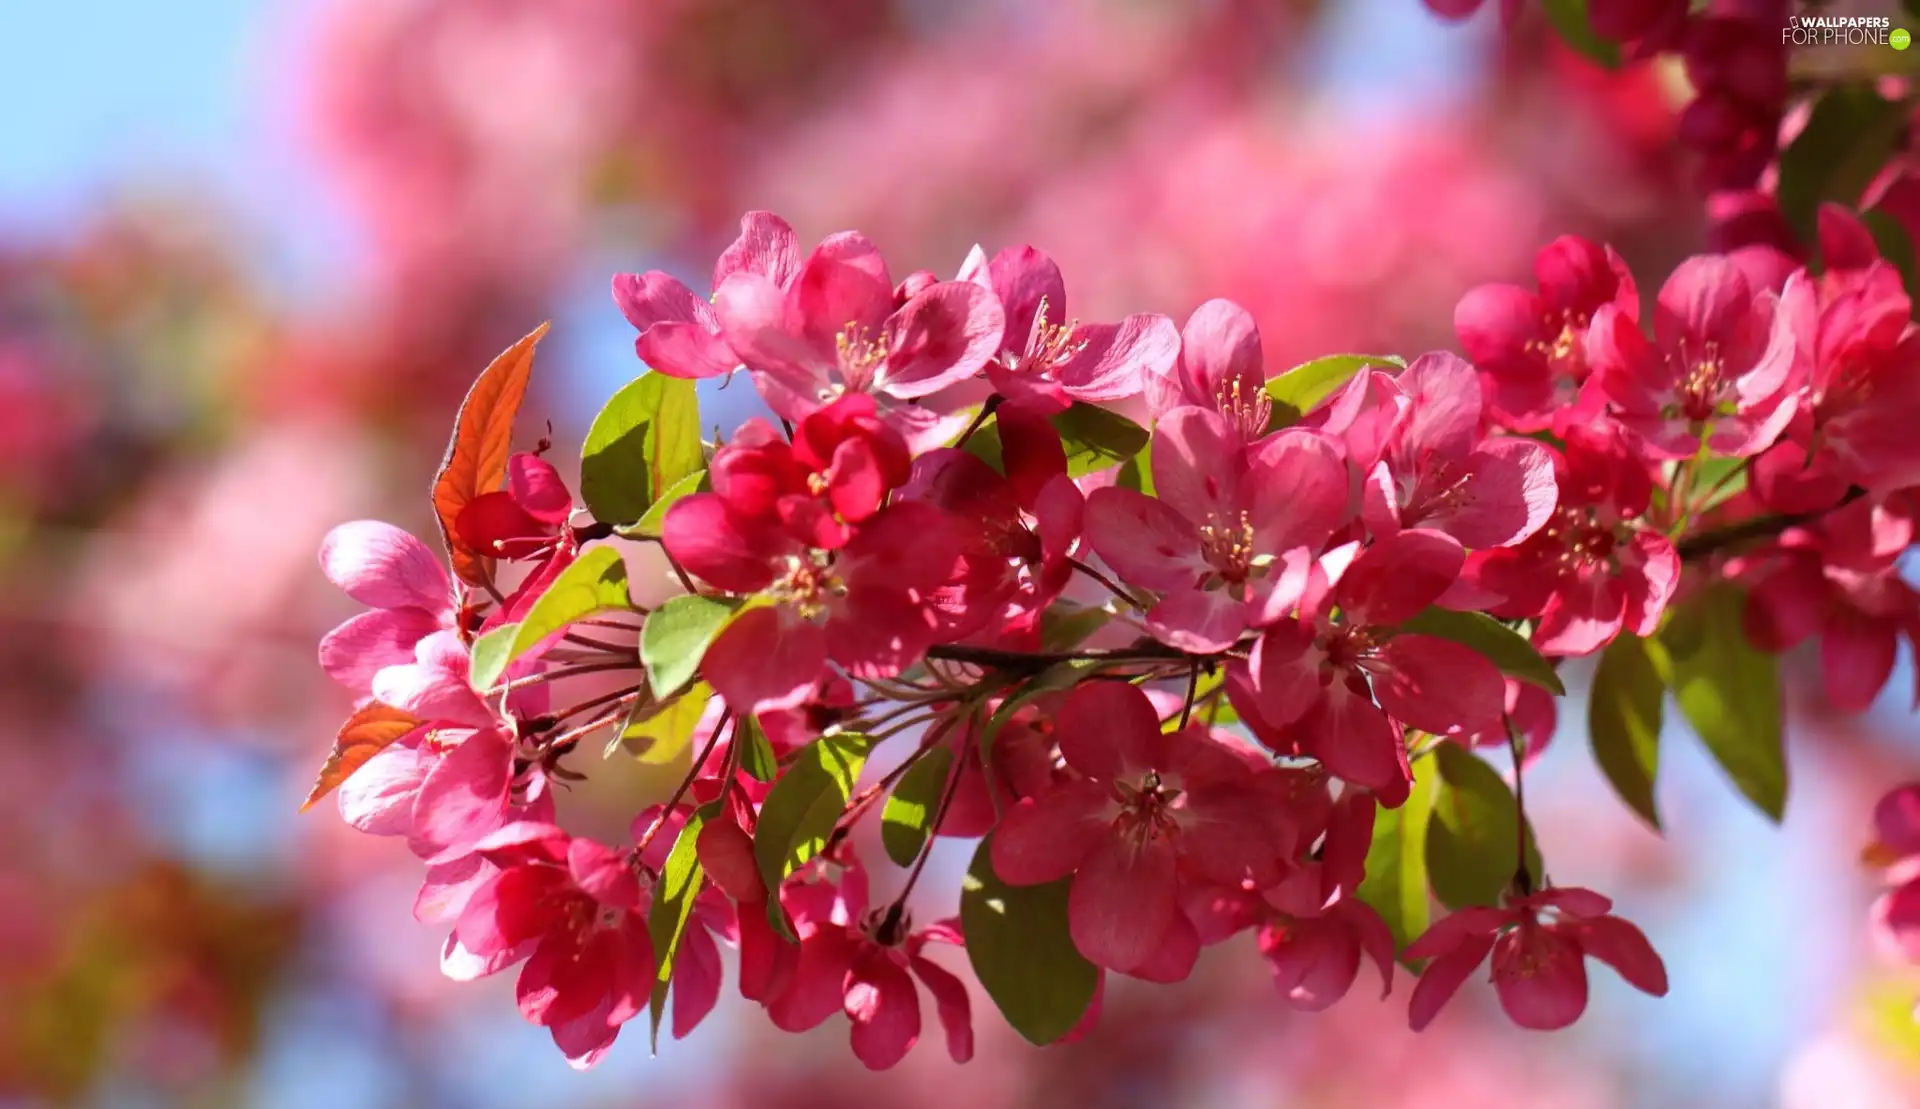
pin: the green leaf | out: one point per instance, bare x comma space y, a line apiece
1624, 713
673, 896
1848, 138
1301, 389
1136, 473
652, 523
903, 823
1064, 627
756, 754
657, 733
1022, 952
1096, 439
803, 806
1396, 881
1571, 20
1730, 692
644, 440
676, 637
1895, 245
1470, 843
1505, 648
984, 445
490, 655
595, 583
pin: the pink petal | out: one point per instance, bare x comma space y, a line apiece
884, 1006
1399, 576
1298, 482
378, 798
1540, 977
1024, 278
647, 299
1444, 421
1119, 359
360, 648
952, 1004
685, 350
879, 632
1174, 957
1356, 742
707, 539
696, 980
1285, 671
381, 566
1624, 947
1203, 621
1495, 323
941, 337
1147, 542
447, 887
766, 247
1122, 901
603, 873
765, 661
1439, 686
1314, 961
1509, 493
1220, 344
538, 488
1046, 838
1105, 729
465, 796
1198, 465
1856, 658
817, 989
1443, 978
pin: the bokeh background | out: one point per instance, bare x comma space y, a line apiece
252, 251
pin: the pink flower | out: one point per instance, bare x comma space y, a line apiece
1839, 580
679, 333
865, 964
1221, 367
1539, 944
1860, 357
1595, 568
1049, 360
404, 585
1896, 914
836, 473
1718, 371
1531, 347
1319, 674
1440, 472
1214, 539
838, 328
1150, 812
575, 911
863, 603
1314, 944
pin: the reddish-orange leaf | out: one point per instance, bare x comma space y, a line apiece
365, 734
476, 460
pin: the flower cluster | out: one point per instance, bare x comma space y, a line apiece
1191, 644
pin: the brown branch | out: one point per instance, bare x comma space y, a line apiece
1697, 547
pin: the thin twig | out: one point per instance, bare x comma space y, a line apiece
1696, 547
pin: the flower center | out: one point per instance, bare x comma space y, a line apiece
1227, 546
809, 583
1048, 345
1247, 410
1347, 646
1583, 540
1701, 382
1563, 352
1146, 809
862, 356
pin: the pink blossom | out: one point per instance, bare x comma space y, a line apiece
837, 328
1226, 516
1718, 371
1539, 944
865, 964
679, 333
1149, 812
1596, 568
575, 911
1530, 347
1221, 367
1048, 358
1440, 472
404, 585
1321, 672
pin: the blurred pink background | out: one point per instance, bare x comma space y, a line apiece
251, 253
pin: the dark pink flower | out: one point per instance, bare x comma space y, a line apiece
679, 333
837, 328
1531, 346
523, 522
1216, 537
836, 473
1896, 914
575, 911
1221, 368
1051, 360
1320, 673
1718, 371
1595, 568
1540, 944
1149, 812
865, 964
864, 604
404, 586
1838, 580
1440, 472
